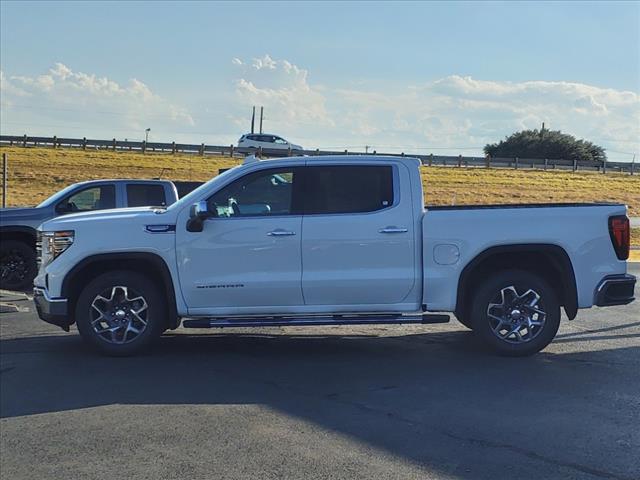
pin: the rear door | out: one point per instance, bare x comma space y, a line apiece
358, 235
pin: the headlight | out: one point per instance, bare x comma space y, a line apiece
54, 244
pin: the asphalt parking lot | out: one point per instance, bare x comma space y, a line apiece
361, 402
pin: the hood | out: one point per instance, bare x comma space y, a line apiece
19, 213
132, 215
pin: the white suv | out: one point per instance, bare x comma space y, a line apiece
266, 141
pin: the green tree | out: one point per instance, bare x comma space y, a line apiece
552, 144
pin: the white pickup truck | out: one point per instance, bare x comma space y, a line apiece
335, 240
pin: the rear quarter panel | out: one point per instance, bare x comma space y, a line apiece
582, 231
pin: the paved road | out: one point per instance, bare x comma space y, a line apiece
367, 402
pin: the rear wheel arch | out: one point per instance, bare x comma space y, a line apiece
547, 260
151, 265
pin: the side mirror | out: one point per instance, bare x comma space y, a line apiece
197, 215
200, 210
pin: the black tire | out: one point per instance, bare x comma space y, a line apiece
486, 318
111, 286
18, 265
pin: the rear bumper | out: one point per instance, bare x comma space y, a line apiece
52, 310
615, 290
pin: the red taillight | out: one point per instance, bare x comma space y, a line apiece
620, 235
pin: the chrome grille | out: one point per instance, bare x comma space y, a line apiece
39, 249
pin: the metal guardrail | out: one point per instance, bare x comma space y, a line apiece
231, 150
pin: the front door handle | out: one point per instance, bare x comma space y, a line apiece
280, 233
393, 230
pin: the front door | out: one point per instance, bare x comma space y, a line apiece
249, 255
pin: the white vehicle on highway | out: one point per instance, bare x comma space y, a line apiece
334, 240
267, 141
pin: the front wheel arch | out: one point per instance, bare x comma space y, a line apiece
147, 263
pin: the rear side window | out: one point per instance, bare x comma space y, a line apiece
348, 189
143, 195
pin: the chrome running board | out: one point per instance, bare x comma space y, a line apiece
279, 321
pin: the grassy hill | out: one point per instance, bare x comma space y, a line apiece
36, 173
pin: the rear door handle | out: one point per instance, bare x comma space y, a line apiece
280, 233
393, 230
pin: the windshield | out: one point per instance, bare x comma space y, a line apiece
195, 195
58, 196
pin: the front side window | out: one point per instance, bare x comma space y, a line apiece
145, 195
347, 189
262, 193
280, 141
93, 198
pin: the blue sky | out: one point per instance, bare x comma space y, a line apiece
447, 77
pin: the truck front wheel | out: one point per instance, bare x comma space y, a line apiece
516, 313
17, 265
120, 313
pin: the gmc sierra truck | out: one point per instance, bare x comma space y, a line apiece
18, 226
334, 240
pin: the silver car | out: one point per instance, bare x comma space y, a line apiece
267, 141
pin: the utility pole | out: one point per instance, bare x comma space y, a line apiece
5, 179
146, 135
253, 119
366, 148
261, 114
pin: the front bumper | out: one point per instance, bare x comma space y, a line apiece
615, 290
52, 310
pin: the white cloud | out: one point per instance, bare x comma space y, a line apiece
264, 62
63, 96
282, 88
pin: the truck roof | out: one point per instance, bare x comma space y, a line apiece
337, 158
121, 180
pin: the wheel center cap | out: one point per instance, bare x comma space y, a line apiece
516, 314
120, 314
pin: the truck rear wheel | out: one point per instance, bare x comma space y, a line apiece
516, 313
120, 313
17, 265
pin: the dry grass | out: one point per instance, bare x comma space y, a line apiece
36, 173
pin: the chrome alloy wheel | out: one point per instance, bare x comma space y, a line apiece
119, 315
516, 318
